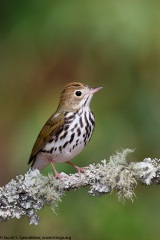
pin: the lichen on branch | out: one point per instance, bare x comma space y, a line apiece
32, 191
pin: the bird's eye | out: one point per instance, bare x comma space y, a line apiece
78, 93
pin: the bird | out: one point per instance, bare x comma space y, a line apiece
67, 131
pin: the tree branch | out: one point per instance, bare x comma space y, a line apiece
31, 192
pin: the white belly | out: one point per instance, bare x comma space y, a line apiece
68, 144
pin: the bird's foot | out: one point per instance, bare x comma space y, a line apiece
79, 169
57, 175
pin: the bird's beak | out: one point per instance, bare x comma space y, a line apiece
94, 90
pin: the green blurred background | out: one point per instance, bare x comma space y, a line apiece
45, 44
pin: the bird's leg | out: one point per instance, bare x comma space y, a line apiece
57, 175
79, 169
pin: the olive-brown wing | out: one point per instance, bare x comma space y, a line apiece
52, 126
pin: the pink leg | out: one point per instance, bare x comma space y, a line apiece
57, 175
79, 169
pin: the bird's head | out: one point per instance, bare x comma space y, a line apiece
75, 96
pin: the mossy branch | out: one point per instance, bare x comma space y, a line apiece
31, 192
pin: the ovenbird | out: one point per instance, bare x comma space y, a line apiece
68, 130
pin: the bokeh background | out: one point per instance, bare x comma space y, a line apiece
45, 44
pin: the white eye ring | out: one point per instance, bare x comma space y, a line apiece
77, 93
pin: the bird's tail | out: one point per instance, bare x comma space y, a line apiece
38, 162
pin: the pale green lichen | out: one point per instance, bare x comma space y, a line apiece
29, 194
147, 171
114, 174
